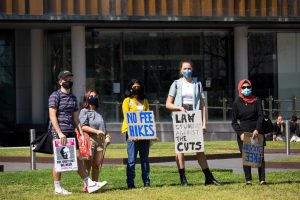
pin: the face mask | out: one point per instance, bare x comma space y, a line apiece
246, 92
187, 73
67, 85
136, 91
93, 100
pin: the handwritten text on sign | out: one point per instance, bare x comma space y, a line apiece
141, 125
253, 150
65, 158
188, 132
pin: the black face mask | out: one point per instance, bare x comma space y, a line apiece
67, 85
136, 91
93, 100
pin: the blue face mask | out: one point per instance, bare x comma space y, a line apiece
246, 92
187, 73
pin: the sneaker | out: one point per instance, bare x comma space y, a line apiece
93, 188
85, 189
293, 139
62, 192
102, 184
248, 183
297, 139
263, 183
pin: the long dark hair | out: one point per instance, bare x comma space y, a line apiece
128, 92
86, 98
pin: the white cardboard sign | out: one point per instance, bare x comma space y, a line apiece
188, 132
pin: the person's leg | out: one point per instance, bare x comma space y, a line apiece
144, 146
130, 171
181, 168
98, 157
261, 171
247, 169
209, 178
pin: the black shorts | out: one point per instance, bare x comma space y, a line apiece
68, 135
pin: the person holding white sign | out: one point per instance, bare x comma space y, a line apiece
135, 101
186, 94
247, 117
92, 122
63, 114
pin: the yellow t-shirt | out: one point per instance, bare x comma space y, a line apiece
130, 105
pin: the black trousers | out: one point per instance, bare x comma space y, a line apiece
247, 169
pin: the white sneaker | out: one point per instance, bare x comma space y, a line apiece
62, 192
102, 184
293, 139
94, 187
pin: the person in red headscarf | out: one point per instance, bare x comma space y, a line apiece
247, 116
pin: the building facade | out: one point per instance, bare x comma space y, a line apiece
105, 43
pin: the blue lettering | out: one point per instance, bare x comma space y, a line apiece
131, 118
146, 117
151, 130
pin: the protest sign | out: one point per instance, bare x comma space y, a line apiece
65, 158
141, 125
188, 132
253, 150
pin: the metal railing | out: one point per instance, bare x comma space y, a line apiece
273, 107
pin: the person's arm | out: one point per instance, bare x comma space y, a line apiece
171, 106
203, 110
54, 121
235, 125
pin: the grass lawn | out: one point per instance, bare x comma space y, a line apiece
164, 185
159, 149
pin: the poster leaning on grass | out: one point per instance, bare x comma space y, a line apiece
188, 132
65, 158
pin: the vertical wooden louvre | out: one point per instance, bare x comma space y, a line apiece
91, 7
230, 7
55, 6
175, 7
163, 7
206, 6
152, 7
19, 7
105, 8
274, 7
219, 8
118, 5
81, 7
263, 8
242, 8
6, 6
294, 9
284, 10
252, 6
36, 7
186, 7
129, 7
139, 7
68, 7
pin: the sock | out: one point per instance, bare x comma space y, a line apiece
88, 181
57, 186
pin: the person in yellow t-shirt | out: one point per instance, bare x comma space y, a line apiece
136, 101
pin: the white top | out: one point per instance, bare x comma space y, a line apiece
187, 93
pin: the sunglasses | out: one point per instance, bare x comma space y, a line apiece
248, 87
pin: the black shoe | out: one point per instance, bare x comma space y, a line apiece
131, 186
147, 185
183, 181
263, 183
212, 181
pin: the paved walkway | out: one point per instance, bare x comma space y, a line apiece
234, 164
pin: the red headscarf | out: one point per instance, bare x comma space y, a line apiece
248, 99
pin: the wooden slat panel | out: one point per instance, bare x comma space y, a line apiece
7, 6
242, 8
219, 8
284, 10
230, 7
20, 7
252, 7
163, 7
175, 7
263, 8
294, 9
36, 7
129, 7
186, 7
139, 7
151, 7
81, 6
118, 8
92, 7
105, 7
274, 7
195, 8
56, 5
206, 6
